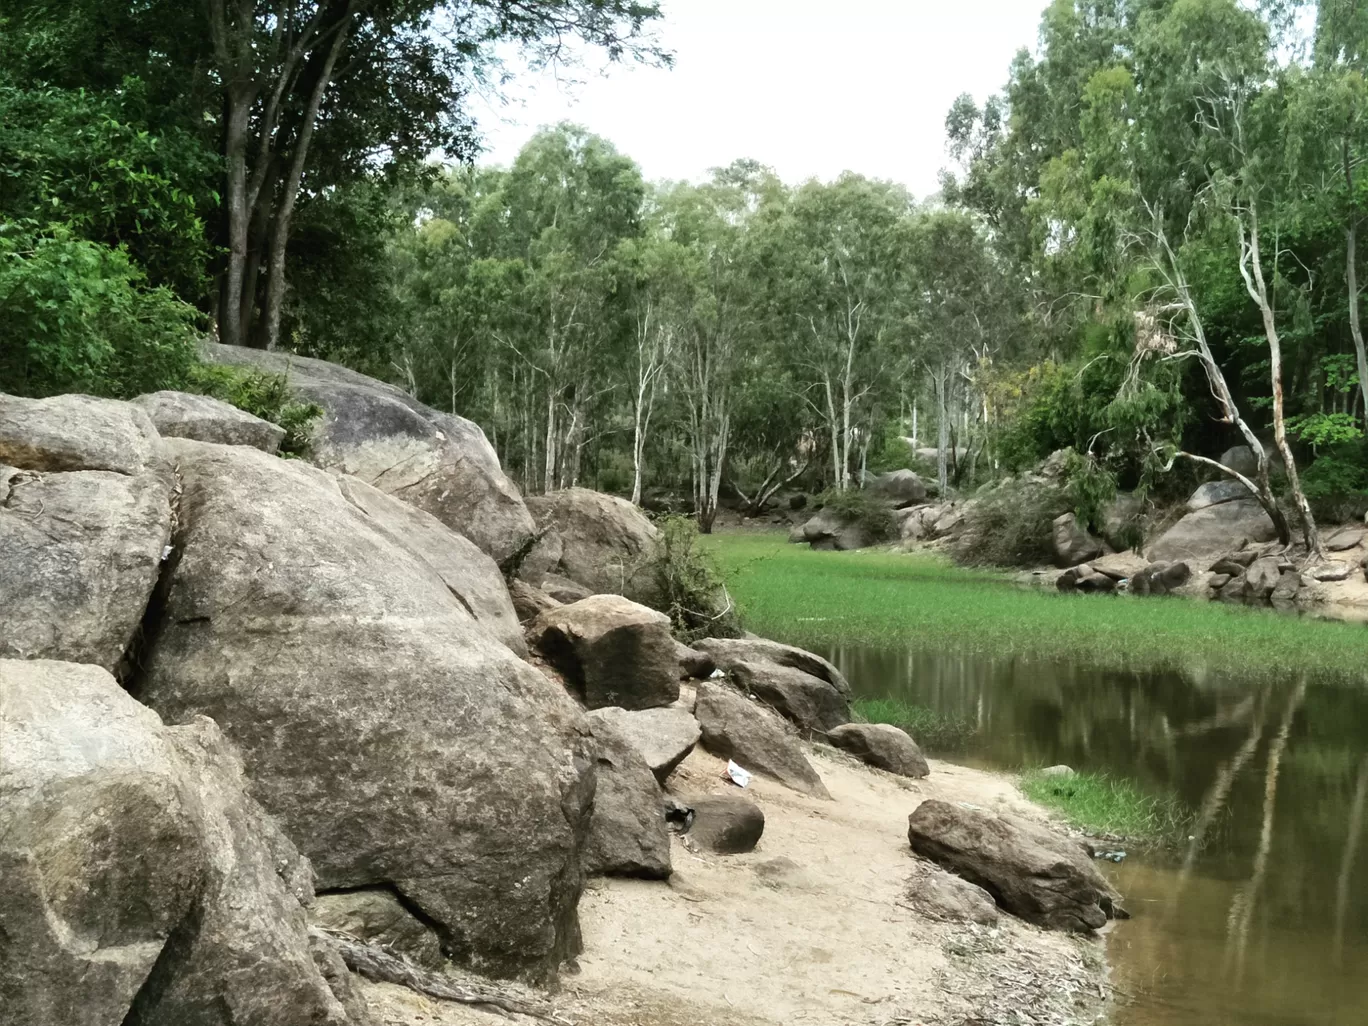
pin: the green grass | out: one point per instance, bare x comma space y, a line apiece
889, 599
930, 729
1100, 804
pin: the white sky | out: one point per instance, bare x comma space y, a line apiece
810, 87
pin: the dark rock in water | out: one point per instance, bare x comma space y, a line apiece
1160, 578
1285, 591
663, 737
628, 835
945, 896
180, 415
599, 541
805, 688
736, 728
726, 824
436, 461
390, 733
1029, 870
881, 745
619, 652
85, 518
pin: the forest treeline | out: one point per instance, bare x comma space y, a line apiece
1145, 248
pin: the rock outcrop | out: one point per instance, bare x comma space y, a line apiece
1073, 543
1201, 536
735, 728
1213, 493
139, 884
726, 824
599, 541
663, 737
1029, 870
436, 461
627, 834
616, 652
204, 419
883, 746
804, 688
900, 488
85, 517
831, 531
391, 734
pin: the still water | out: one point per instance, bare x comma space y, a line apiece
1262, 920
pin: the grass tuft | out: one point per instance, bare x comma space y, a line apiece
932, 730
1102, 804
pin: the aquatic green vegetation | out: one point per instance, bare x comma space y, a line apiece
892, 599
932, 730
1103, 804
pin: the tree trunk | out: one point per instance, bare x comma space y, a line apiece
237, 116
943, 430
837, 470
1252, 270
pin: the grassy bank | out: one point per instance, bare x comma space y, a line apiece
882, 598
1101, 804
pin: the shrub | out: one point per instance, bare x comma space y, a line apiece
858, 507
77, 316
1011, 525
1090, 487
267, 396
694, 595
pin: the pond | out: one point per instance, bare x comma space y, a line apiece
1262, 916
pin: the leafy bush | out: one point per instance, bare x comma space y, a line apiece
1011, 525
695, 598
854, 506
77, 316
267, 396
1337, 482
1090, 488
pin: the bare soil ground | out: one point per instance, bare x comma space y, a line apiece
810, 928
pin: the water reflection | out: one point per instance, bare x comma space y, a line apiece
1263, 917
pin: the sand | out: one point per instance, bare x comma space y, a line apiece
810, 928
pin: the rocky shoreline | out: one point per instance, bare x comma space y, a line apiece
278, 737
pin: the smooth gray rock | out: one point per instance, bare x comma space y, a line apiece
738, 729
599, 541
1202, 536
529, 602
395, 739
947, 897
1160, 578
1333, 571
663, 737
1214, 493
436, 461
85, 516
881, 745
616, 651
727, 652
898, 487
628, 835
471, 576
1031, 871
1344, 539
726, 824
804, 688
829, 531
1073, 544
205, 419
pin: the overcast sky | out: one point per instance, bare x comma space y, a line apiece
810, 87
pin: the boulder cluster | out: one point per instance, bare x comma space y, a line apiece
248, 704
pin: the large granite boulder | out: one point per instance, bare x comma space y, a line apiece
801, 686
1031, 871
471, 576
613, 650
1213, 493
628, 835
599, 541
899, 488
393, 736
436, 461
205, 419
663, 737
139, 884
883, 746
85, 517
1203, 535
1073, 543
832, 531
738, 729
